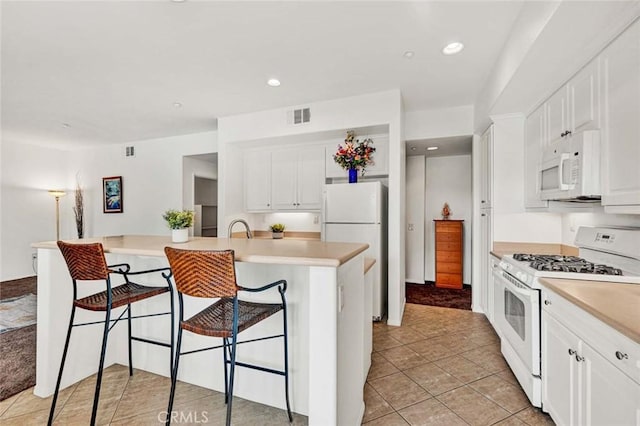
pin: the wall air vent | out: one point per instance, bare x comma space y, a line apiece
130, 151
299, 116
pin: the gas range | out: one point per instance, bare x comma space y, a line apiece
605, 254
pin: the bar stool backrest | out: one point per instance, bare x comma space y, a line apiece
203, 273
85, 261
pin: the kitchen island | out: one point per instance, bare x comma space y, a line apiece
326, 320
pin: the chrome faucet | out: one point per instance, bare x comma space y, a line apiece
242, 221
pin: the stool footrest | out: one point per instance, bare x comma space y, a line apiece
257, 367
153, 342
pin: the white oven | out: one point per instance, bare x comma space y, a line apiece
610, 254
517, 317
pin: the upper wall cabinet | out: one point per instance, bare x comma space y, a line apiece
380, 158
297, 176
621, 136
284, 179
575, 107
257, 181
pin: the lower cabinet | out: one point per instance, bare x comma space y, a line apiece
579, 385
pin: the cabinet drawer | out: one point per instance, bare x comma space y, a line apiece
448, 237
455, 268
448, 227
453, 246
449, 256
449, 280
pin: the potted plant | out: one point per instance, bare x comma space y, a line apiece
277, 231
179, 222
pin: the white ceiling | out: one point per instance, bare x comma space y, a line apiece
455, 145
113, 70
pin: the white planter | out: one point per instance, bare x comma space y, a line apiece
277, 235
180, 235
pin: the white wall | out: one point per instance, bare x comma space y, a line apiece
152, 183
448, 180
437, 123
28, 211
377, 109
415, 219
572, 221
511, 221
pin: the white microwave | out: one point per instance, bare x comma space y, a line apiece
570, 170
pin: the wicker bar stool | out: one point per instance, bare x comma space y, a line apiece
211, 274
86, 262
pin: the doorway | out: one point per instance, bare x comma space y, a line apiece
200, 192
438, 171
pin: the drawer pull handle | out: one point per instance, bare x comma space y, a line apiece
621, 355
547, 302
572, 352
579, 358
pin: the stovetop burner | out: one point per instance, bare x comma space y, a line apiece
559, 263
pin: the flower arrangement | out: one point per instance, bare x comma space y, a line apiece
179, 219
354, 154
277, 227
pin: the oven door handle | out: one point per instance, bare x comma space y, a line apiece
515, 289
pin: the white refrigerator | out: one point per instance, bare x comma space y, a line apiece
356, 212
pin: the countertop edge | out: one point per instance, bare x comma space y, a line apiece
621, 327
240, 257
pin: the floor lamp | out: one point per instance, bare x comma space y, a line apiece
57, 194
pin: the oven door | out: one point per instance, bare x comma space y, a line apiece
517, 316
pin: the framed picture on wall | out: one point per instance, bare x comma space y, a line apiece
112, 194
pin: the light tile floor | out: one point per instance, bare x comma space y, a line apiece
442, 367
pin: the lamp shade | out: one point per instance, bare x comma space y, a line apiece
57, 193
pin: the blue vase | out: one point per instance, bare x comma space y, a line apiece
353, 175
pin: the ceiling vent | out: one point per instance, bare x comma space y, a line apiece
299, 116
129, 151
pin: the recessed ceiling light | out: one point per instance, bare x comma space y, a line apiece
177, 105
432, 148
453, 48
408, 54
273, 82
178, 1
413, 148
66, 125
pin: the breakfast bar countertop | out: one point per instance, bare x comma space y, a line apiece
285, 252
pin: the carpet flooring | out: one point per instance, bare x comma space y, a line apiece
429, 294
17, 347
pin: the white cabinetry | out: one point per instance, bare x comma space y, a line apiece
575, 107
380, 159
621, 138
297, 176
486, 167
485, 250
257, 180
588, 372
584, 98
284, 179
